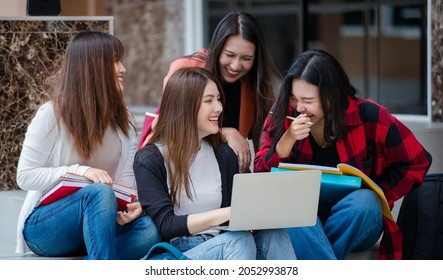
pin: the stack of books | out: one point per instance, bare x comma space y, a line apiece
337, 182
70, 183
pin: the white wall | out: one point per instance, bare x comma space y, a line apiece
430, 136
12, 8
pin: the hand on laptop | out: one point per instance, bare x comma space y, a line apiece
202, 221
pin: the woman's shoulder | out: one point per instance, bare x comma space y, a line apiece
148, 150
149, 154
46, 108
368, 104
197, 59
45, 113
371, 111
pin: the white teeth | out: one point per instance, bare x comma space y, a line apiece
213, 119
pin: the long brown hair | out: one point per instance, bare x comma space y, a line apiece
176, 128
87, 98
263, 75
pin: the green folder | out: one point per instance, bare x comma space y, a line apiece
333, 186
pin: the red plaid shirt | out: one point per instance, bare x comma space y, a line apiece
376, 143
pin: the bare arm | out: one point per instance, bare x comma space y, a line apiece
203, 221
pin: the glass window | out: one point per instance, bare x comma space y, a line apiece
381, 44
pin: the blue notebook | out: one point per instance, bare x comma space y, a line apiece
333, 186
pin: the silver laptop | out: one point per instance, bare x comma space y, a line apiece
274, 200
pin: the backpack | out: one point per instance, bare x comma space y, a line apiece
421, 220
164, 251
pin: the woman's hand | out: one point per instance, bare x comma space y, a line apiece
98, 176
202, 221
298, 130
133, 211
300, 127
240, 146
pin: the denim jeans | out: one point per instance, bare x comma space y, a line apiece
84, 224
274, 244
237, 245
354, 224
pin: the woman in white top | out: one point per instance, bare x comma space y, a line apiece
84, 129
185, 172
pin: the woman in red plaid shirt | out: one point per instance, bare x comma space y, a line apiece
318, 119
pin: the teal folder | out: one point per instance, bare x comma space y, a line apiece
333, 186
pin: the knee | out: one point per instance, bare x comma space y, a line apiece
273, 238
146, 225
99, 189
273, 235
367, 201
100, 194
274, 244
363, 203
241, 239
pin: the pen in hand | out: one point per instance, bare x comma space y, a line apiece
292, 118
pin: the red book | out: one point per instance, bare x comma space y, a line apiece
71, 183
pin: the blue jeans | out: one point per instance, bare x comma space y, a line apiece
237, 245
354, 224
84, 224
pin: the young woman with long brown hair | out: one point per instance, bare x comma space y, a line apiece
85, 129
185, 172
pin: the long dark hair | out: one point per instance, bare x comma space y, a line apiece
263, 75
87, 98
321, 69
176, 128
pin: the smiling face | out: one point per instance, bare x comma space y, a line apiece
120, 71
236, 58
305, 98
209, 112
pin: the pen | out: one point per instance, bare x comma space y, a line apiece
292, 118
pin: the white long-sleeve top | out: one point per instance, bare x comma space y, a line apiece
48, 152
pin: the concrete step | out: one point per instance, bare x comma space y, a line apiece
10, 204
